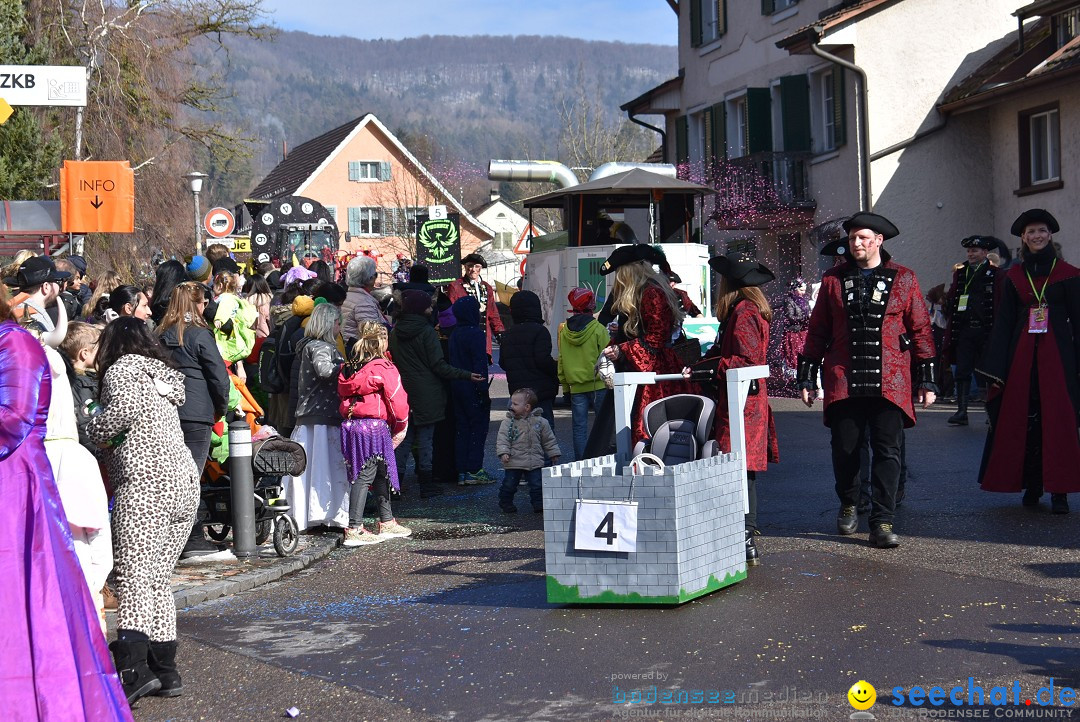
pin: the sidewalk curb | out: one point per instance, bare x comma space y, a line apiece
319, 548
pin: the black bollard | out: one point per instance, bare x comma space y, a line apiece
243, 490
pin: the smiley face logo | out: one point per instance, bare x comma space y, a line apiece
862, 695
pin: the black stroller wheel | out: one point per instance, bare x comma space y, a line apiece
286, 535
218, 532
262, 531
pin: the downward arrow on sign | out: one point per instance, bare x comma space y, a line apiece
97, 202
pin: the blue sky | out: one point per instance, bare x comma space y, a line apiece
631, 21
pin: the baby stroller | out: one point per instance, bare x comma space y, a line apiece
271, 458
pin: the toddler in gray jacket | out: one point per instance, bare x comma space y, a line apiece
525, 437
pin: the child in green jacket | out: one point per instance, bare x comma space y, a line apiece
581, 341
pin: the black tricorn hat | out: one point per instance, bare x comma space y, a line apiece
741, 272
630, 254
839, 247
1035, 215
988, 242
474, 258
876, 223
226, 265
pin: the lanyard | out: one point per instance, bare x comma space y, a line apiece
969, 276
1039, 295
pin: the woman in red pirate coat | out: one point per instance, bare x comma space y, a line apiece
1031, 362
650, 318
744, 316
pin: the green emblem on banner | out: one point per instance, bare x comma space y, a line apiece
439, 236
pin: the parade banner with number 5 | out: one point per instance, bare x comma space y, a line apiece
605, 526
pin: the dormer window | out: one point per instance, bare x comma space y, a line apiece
1066, 26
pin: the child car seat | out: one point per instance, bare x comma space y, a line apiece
680, 429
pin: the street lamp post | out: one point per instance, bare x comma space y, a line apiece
196, 180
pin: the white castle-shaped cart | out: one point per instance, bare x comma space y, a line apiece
623, 533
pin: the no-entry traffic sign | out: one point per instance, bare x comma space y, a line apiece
219, 222
97, 196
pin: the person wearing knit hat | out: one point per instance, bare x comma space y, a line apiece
415, 350
198, 269
1030, 363
581, 340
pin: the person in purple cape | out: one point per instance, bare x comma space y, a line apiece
58, 665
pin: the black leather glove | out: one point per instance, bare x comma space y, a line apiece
705, 373
807, 374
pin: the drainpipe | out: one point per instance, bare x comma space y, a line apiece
643, 124
862, 121
603, 171
536, 171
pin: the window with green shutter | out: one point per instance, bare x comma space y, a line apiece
364, 170
682, 139
708, 21
384, 170
839, 108
795, 112
758, 120
719, 133
365, 221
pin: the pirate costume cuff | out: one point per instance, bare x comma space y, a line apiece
807, 374
926, 375
706, 373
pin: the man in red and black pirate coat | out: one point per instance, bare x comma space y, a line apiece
1031, 362
870, 319
470, 284
969, 312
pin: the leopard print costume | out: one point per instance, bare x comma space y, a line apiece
157, 488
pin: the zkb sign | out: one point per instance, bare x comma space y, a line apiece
43, 84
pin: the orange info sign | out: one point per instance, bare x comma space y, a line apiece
97, 196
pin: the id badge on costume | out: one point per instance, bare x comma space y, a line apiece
961, 304
1037, 319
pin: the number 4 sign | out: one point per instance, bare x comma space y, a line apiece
605, 526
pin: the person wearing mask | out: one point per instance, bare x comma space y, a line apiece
1031, 363
470, 284
867, 330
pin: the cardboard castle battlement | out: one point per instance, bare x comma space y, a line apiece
690, 531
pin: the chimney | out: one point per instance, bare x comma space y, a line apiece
494, 195
284, 149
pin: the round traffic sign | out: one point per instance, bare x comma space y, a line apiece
219, 222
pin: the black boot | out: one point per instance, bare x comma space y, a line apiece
162, 661
960, 417
427, 486
753, 556
1059, 504
882, 536
847, 521
129, 655
197, 545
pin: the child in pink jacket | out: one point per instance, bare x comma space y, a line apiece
375, 409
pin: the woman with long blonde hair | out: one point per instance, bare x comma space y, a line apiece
650, 317
107, 282
744, 316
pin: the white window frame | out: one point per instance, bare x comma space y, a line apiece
367, 171
1045, 150
710, 21
738, 126
822, 117
779, 5
369, 221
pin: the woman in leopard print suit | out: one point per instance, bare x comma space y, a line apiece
157, 493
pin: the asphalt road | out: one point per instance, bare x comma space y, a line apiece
453, 623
